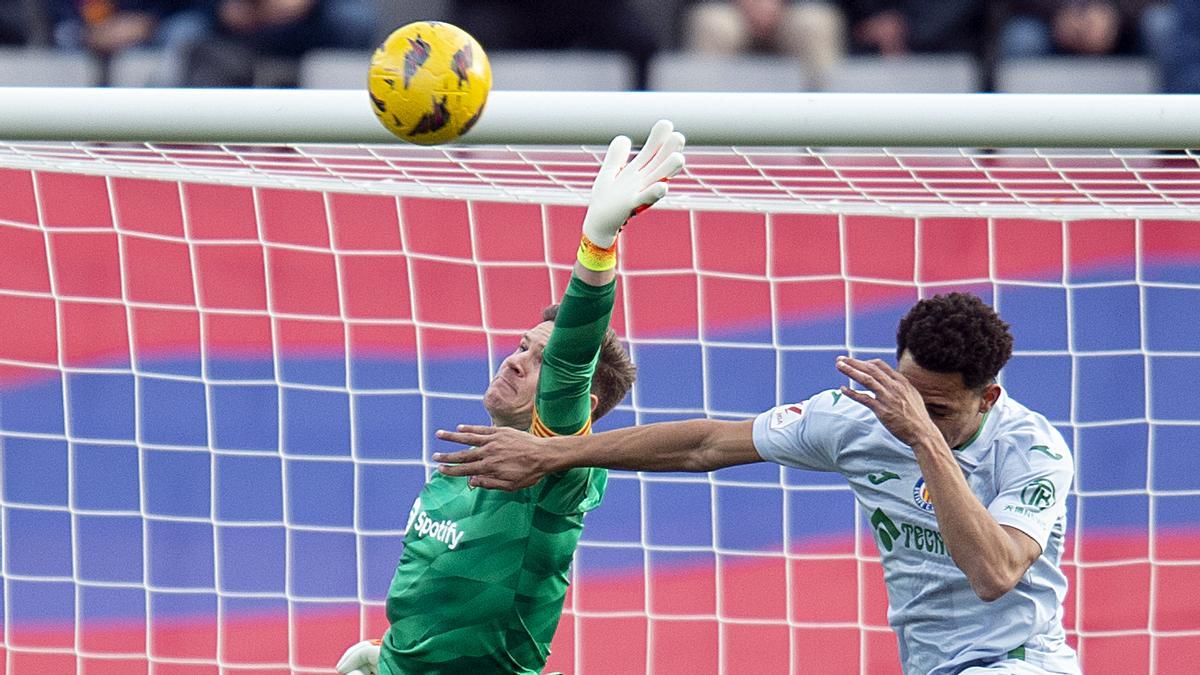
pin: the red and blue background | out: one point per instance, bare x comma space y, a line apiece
216, 403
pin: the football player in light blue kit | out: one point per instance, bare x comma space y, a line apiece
964, 487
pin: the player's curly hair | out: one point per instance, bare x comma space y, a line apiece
615, 372
956, 333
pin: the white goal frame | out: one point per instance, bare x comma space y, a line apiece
524, 117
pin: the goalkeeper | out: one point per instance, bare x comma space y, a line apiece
480, 585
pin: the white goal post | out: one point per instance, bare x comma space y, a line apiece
235, 318
547, 117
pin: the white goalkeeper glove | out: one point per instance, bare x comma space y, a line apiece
623, 190
360, 659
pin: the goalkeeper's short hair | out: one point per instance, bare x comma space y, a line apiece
615, 372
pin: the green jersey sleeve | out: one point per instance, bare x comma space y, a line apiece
564, 404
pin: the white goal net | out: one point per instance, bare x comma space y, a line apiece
223, 365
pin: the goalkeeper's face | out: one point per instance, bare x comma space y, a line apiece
509, 398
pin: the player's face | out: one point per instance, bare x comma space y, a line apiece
955, 409
509, 398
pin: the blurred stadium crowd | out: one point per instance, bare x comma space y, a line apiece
1108, 46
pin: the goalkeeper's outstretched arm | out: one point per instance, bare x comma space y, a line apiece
622, 189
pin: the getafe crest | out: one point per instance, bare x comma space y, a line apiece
921, 495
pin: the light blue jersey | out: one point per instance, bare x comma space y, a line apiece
1019, 467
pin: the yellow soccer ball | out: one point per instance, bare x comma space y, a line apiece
429, 82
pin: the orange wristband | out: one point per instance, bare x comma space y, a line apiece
595, 258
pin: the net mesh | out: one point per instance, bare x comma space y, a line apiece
946, 181
225, 365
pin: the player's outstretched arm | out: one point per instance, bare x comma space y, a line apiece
508, 459
622, 188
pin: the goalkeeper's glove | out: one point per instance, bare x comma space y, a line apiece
360, 659
623, 190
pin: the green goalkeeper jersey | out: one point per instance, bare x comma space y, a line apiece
480, 585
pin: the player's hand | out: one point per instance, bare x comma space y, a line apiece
503, 458
896, 402
360, 659
623, 190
